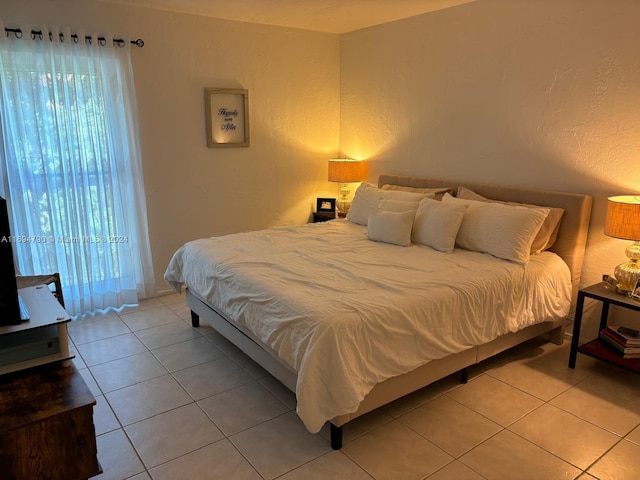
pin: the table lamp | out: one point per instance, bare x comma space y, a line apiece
345, 171
623, 221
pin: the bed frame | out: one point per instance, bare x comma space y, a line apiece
570, 245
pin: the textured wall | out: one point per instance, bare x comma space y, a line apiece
542, 93
193, 191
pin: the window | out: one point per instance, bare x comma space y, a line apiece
72, 170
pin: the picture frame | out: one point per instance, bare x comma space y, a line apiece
326, 205
635, 293
226, 117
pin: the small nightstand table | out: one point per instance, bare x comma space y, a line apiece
323, 216
596, 348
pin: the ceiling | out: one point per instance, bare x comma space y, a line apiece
332, 16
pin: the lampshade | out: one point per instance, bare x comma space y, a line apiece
623, 217
345, 170
623, 221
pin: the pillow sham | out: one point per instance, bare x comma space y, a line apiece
438, 192
368, 197
390, 205
390, 227
548, 233
437, 223
504, 231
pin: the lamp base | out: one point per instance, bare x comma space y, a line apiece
628, 273
343, 204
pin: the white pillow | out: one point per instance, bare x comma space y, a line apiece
389, 205
437, 192
368, 197
390, 227
436, 224
504, 231
547, 234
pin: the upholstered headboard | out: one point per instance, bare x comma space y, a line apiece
572, 236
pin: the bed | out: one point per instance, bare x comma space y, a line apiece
350, 321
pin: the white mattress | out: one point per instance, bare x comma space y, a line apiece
347, 313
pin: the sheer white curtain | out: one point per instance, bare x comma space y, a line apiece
71, 168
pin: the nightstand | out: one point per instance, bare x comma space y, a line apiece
596, 348
323, 216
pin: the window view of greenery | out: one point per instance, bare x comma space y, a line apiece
60, 165
68, 174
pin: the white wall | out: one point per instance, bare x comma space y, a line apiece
193, 191
542, 93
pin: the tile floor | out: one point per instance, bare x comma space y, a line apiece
176, 402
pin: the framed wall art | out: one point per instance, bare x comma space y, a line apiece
227, 117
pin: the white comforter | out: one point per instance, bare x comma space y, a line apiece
347, 313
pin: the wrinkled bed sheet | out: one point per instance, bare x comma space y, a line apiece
347, 313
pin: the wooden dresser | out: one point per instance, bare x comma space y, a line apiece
46, 409
46, 425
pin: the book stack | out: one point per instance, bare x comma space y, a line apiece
625, 341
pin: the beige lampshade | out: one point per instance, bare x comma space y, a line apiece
346, 171
623, 217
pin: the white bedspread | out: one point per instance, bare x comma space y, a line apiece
347, 313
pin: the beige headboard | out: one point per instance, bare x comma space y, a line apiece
572, 237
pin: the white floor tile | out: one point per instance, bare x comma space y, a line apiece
117, 457
97, 328
167, 334
279, 445
506, 455
566, 436
213, 377
113, 348
146, 399
242, 407
172, 434
127, 371
450, 425
104, 419
148, 318
218, 461
187, 354
332, 465
394, 451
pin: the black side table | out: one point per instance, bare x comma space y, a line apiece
323, 216
596, 348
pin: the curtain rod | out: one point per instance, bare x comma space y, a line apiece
101, 40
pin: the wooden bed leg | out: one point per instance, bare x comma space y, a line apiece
195, 319
336, 437
464, 375
557, 335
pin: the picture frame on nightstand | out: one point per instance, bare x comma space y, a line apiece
635, 293
326, 205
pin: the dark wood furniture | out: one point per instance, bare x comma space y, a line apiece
46, 425
596, 348
323, 216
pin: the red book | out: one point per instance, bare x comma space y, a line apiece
611, 335
612, 341
627, 340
